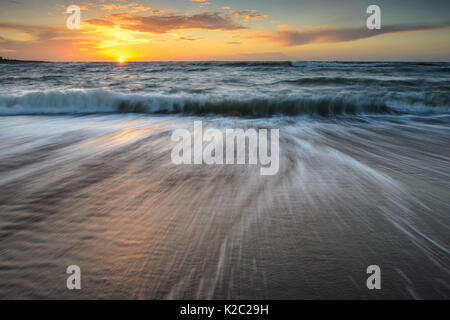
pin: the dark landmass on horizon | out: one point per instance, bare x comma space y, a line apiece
14, 61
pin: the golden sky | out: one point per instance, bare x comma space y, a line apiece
224, 30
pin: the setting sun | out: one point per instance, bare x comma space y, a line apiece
121, 60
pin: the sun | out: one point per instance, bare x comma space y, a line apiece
121, 59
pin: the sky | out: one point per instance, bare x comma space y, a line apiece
149, 30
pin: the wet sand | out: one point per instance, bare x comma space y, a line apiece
101, 192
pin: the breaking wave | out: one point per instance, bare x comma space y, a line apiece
103, 101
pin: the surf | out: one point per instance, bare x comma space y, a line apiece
105, 101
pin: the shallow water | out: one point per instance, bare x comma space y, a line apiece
100, 192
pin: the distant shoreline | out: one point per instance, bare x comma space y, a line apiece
14, 61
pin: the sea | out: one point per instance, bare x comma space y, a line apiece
86, 179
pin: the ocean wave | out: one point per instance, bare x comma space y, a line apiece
368, 63
354, 81
102, 101
254, 64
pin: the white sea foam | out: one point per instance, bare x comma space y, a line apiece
105, 101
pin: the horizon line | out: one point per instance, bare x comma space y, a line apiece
224, 60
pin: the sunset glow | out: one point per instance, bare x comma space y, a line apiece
235, 30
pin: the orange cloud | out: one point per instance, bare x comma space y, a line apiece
132, 7
165, 23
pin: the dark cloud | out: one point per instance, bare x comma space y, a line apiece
329, 35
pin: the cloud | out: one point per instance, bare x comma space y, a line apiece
248, 14
132, 7
186, 38
201, 2
289, 38
166, 23
95, 37
38, 33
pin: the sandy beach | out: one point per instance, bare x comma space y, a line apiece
101, 192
